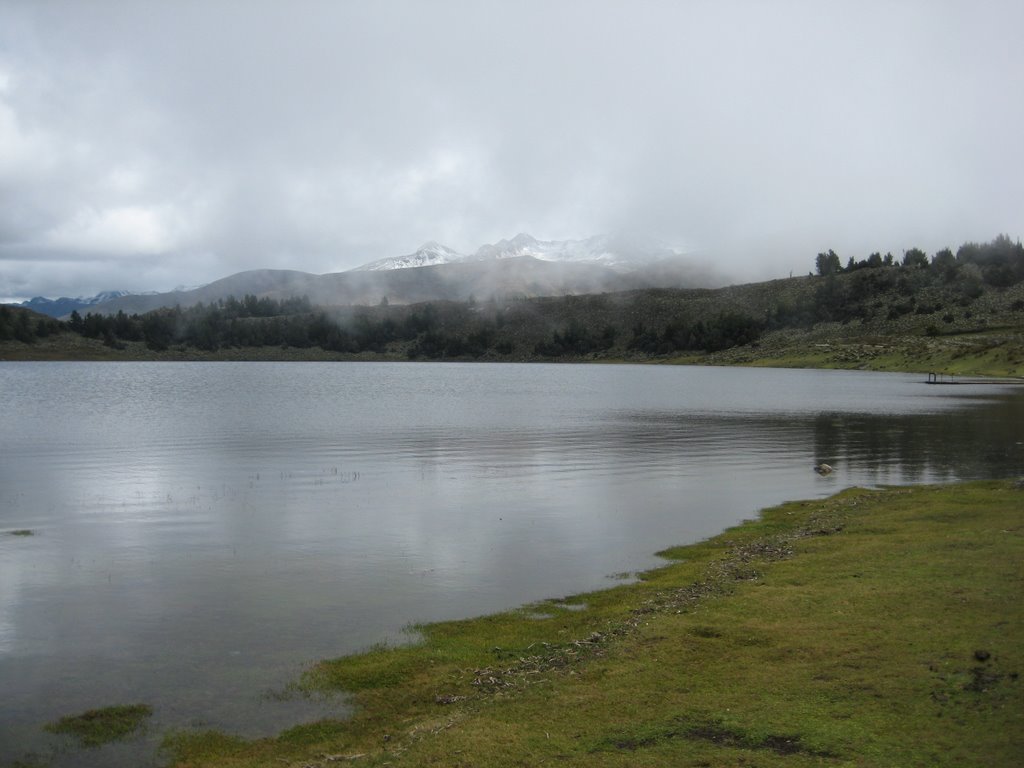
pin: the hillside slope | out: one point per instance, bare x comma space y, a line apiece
886, 319
513, 276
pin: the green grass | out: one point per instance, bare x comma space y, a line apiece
996, 353
874, 628
100, 726
22, 532
993, 353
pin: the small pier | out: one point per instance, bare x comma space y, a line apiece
949, 378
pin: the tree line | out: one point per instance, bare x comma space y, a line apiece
431, 331
1000, 263
21, 325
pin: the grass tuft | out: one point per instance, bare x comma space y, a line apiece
100, 726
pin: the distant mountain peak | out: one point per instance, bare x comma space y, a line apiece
619, 251
523, 239
430, 254
66, 305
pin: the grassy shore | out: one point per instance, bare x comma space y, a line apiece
874, 628
995, 352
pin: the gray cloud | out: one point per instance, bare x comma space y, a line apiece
149, 144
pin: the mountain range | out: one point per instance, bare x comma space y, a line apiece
520, 267
623, 253
65, 305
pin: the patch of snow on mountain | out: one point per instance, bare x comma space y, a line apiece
616, 251
99, 298
427, 255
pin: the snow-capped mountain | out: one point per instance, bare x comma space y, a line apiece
65, 306
521, 267
427, 255
620, 252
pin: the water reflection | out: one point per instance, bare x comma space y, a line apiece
982, 440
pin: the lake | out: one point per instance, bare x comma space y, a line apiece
204, 531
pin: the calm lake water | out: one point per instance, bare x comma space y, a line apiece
204, 531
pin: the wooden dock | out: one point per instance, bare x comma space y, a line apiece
949, 378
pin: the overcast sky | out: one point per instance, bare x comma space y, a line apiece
145, 145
